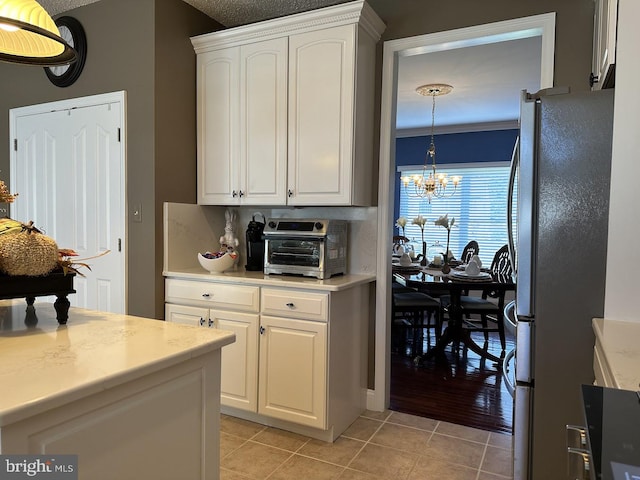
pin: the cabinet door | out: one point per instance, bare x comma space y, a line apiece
218, 126
263, 122
321, 111
239, 383
187, 315
293, 370
604, 42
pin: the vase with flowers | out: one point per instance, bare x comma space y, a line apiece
444, 221
421, 221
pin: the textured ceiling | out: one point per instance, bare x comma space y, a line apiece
229, 13
487, 79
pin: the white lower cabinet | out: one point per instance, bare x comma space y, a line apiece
293, 370
290, 365
239, 383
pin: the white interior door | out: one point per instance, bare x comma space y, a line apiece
67, 166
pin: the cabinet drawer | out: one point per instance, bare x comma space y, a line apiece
208, 294
196, 316
295, 304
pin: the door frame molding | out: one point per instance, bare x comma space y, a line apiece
119, 97
537, 25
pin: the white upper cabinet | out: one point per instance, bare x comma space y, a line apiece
218, 126
285, 109
321, 114
604, 44
263, 122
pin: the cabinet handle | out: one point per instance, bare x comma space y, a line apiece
291, 305
201, 322
576, 436
206, 295
290, 193
210, 323
241, 194
261, 330
579, 465
593, 79
234, 194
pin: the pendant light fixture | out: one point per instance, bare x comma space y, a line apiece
28, 35
431, 184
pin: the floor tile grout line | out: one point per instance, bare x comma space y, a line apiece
484, 454
366, 442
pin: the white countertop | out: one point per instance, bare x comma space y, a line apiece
240, 276
621, 345
47, 365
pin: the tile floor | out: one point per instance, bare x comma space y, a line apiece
387, 445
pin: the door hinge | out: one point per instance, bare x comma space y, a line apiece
15, 144
119, 136
119, 244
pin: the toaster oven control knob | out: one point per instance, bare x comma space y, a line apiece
318, 226
272, 224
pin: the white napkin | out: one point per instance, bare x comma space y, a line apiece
472, 268
476, 259
405, 260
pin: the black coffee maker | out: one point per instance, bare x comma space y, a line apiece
255, 244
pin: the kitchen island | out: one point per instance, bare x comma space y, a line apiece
132, 397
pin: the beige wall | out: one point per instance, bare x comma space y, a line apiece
143, 47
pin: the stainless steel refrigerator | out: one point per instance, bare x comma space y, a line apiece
561, 168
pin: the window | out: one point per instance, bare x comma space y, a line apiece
479, 207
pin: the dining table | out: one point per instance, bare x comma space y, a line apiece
435, 283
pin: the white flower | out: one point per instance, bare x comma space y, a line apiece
445, 222
420, 221
401, 222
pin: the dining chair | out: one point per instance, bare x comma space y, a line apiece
413, 312
486, 306
469, 251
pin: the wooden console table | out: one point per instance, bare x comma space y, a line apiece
56, 283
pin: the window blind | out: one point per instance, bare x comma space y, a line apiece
479, 207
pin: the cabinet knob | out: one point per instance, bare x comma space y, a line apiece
206, 295
290, 305
201, 322
234, 194
261, 330
593, 79
241, 194
210, 323
290, 193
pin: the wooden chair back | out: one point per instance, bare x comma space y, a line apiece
469, 251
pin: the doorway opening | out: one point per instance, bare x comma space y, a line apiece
542, 26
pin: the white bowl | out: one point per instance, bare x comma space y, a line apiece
216, 265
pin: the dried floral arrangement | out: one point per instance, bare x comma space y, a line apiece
5, 195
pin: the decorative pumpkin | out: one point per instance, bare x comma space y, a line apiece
27, 252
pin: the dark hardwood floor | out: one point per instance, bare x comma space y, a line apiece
460, 388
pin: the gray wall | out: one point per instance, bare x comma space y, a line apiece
143, 47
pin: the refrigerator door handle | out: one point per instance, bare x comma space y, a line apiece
515, 156
510, 322
524, 351
506, 369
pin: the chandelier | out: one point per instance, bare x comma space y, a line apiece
431, 184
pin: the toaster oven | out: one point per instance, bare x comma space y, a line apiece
309, 247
